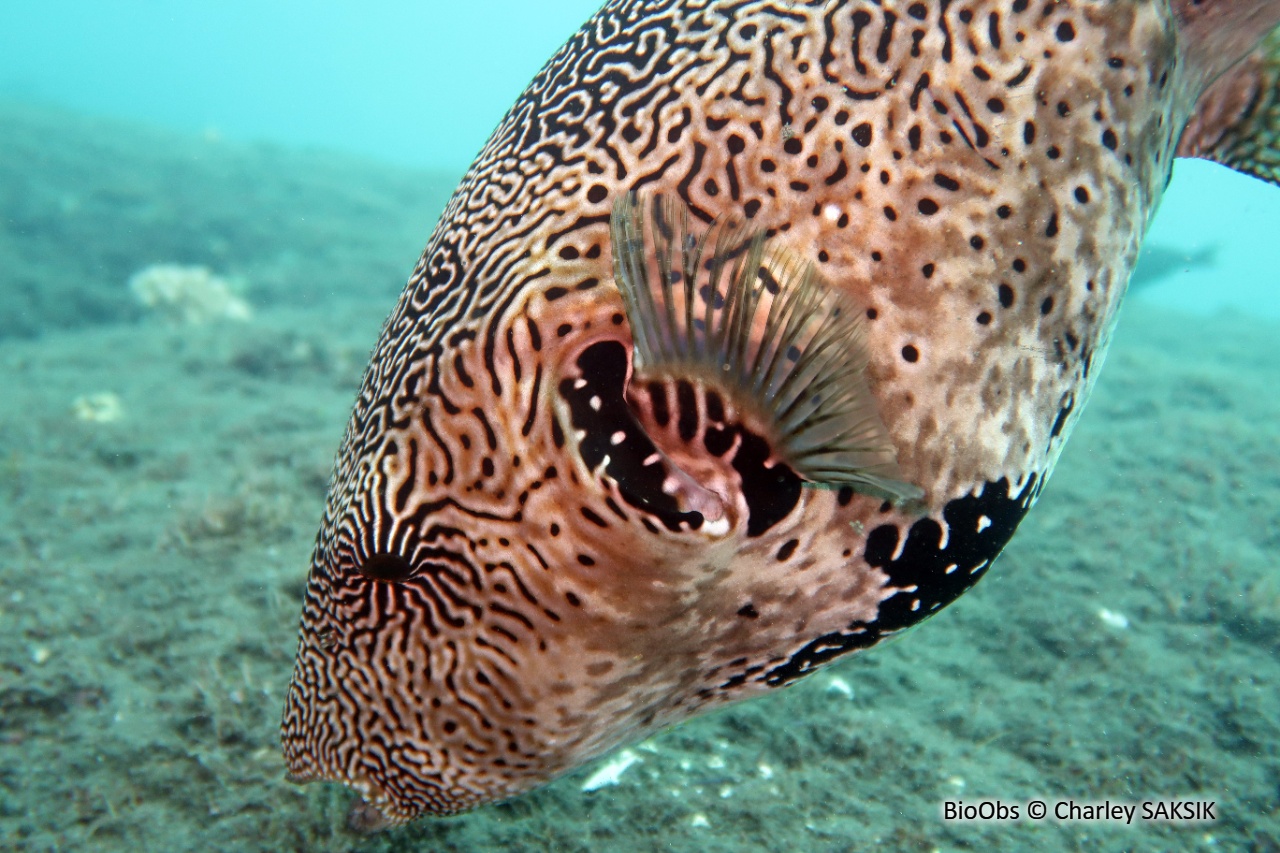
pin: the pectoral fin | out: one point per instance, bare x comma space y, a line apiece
1237, 120
720, 319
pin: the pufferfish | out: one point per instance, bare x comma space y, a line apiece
746, 343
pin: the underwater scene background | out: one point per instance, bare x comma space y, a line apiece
206, 212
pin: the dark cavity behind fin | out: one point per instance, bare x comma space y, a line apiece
1237, 120
762, 325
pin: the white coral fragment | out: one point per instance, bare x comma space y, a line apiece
105, 407
187, 295
1113, 619
611, 771
838, 686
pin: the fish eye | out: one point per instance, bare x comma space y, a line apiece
389, 568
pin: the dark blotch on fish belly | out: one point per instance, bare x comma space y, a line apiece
979, 526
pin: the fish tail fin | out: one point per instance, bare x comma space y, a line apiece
720, 307
1236, 121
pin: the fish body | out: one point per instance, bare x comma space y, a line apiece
538, 544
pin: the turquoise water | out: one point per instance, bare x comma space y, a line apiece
160, 482
414, 83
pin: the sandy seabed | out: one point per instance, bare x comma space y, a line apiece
151, 566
